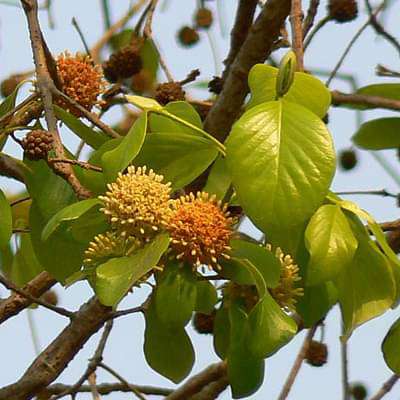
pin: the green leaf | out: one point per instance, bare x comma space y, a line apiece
87, 134
206, 297
145, 103
115, 277
221, 332
118, 159
262, 259
167, 351
175, 296
6, 221
245, 372
219, 179
235, 270
366, 288
270, 327
69, 213
286, 72
378, 134
180, 158
150, 57
316, 302
6, 260
282, 162
391, 347
306, 90
181, 109
25, 263
331, 244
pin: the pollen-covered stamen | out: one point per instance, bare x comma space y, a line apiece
80, 79
108, 245
138, 203
286, 292
200, 229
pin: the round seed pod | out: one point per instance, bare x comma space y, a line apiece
204, 323
348, 159
9, 84
37, 144
169, 91
215, 85
343, 10
317, 354
188, 36
203, 18
358, 391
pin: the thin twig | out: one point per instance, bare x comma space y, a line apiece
80, 33
93, 363
318, 26
296, 21
345, 368
311, 14
297, 364
59, 310
353, 41
9, 114
128, 311
386, 387
93, 386
82, 164
383, 193
122, 380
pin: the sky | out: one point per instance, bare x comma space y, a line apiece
124, 351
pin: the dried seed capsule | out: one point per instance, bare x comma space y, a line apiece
347, 159
203, 18
37, 144
342, 10
204, 323
169, 91
215, 85
188, 36
317, 354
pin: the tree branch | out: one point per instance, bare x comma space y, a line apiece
296, 17
386, 388
55, 358
10, 167
16, 302
195, 384
311, 14
255, 49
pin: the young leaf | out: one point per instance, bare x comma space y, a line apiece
306, 90
182, 109
270, 328
245, 372
118, 159
6, 221
378, 134
168, 351
179, 157
145, 103
69, 213
282, 162
175, 296
330, 242
391, 346
206, 297
115, 277
88, 135
219, 179
221, 333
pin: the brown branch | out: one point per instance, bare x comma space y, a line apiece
16, 302
93, 363
81, 164
297, 364
212, 390
55, 358
296, 21
255, 49
12, 168
46, 87
10, 286
339, 98
310, 18
108, 388
390, 226
386, 388
243, 21
195, 384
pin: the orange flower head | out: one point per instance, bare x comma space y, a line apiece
138, 203
80, 79
200, 230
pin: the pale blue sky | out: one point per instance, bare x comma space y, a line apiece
124, 351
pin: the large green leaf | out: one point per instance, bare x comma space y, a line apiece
330, 242
219, 179
87, 134
6, 221
175, 296
179, 157
306, 90
262, 259
115, 277
168, 351
221, 332
206, 297
391, 347
379, 134
270, 328
245, 372
69, 213
282, 161
25, 263
118, 159
182, 109
366, 288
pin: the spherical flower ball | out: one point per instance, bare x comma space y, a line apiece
200, 230
138, 203
80, 79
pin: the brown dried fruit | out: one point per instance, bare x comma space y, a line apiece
204, 323
317, 354
203, 18
169, 91
343, 10
188, 36
37, 144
